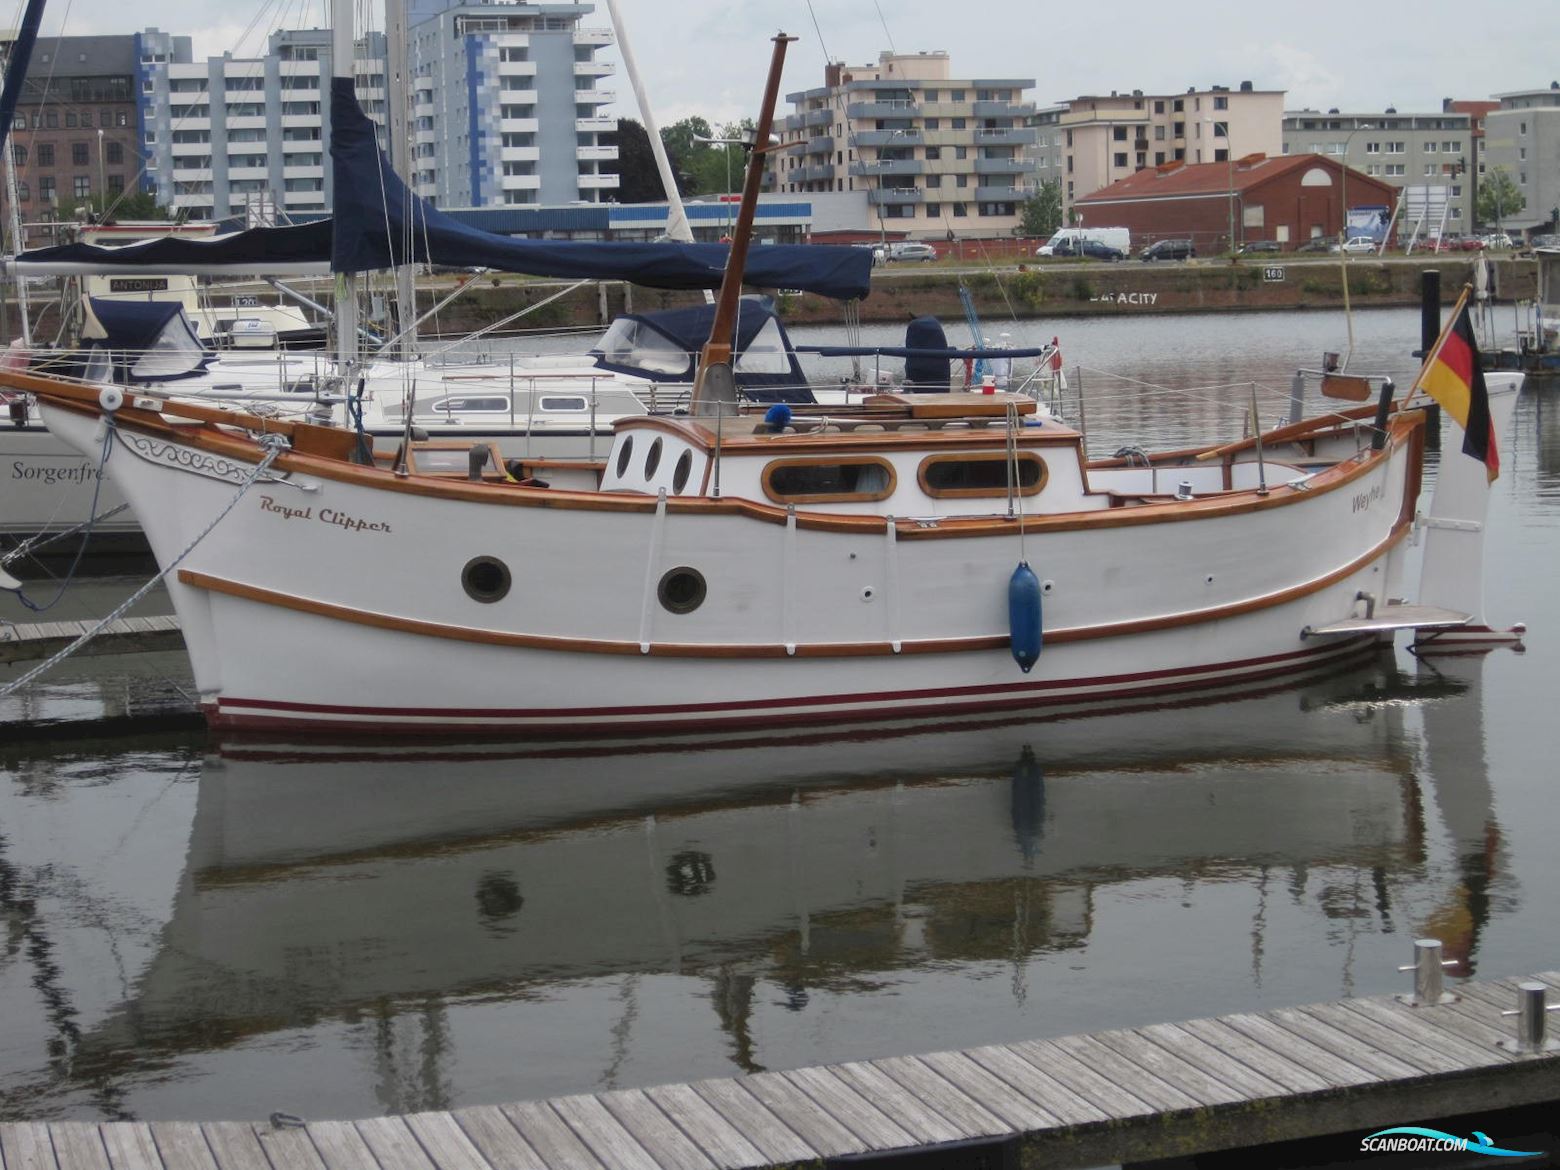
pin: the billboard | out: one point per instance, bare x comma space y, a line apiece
1367, 221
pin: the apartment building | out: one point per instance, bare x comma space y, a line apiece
937, 156
506, 107
230, 134
1108, 138
1523, 138
74, 131
1427, 157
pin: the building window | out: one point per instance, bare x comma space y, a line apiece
934, 211
23, 193
1221, 103
1159, 107
83, 186
115, 153
19, 155
959, 210
1119, 160
78, 154
1119, 133
46, 154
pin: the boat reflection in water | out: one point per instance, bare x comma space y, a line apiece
333, 883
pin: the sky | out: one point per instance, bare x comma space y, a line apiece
710, 57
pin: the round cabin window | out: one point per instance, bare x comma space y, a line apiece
682, 590
653, 459
485, 579
625, 453
683, 470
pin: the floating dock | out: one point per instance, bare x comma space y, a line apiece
1128, 1095
21, 642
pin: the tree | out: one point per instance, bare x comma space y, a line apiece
679, 138
638, 179
1041, 213
1499, 197
121, 206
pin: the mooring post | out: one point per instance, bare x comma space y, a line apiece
1428, 966
1532, 1017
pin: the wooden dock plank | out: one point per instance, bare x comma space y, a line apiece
182, 1146
78, 1145
603, 1133
669, 1146
1140, 1082
547, 1133
1477, 1021
25, 1145
341, 1146
130, 1146
1239, 1076
722, 1142
850, 1108
1040, 1087
968, 1112
819, 1128
755, 1120
1351, 1046
289, 1147
445, 1143
499, 1141
1293, 1076
1411, 1024
234, 1146
1170, 1068
1113, 1100
1016, 1110
1270, 1036
908, 1110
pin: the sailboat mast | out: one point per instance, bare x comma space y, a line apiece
715, 382
341, 61
676, 217
16, 62
397, 89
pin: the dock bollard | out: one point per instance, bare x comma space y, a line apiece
1427, 968
1531, 1013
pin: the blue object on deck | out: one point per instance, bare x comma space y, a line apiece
1024, 623
777, 417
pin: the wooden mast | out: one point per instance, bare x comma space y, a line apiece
715, 382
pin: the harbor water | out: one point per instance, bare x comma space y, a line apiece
198, 929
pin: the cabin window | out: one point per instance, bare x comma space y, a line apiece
682, 590
653, 458
485, 579
980, 475
818, 481
559, 402
681, 472
766, 353
492, 405
625, 453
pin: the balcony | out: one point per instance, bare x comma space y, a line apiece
819, 146
520, 182
1003, 166
893, 166
824, 174
246, 122
517, 68
882, 109
519, 125
593, 36
238, 174
895, 196
1004, 109
1003, 194
598, 182
600, 97
307, 172
594, 69
199, 149
516, 97
510, 154
595, 125
595, 153
297, 121
818, 118
1009, 136
889, 137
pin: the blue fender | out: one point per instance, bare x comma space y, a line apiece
1024, 622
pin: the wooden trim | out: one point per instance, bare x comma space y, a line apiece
981, 493
766, 480
568, 645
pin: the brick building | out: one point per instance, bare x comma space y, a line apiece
1290, 199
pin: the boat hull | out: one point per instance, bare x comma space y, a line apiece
335, 600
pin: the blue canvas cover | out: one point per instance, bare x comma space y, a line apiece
274, 250
150, 341
664, 346
380, 224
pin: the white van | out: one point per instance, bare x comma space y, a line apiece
1119, 238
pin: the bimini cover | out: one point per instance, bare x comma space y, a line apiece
664, 347
376, 218
151, 341
926, 371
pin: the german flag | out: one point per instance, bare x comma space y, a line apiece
1454, 378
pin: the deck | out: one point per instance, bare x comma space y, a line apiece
1164, 1090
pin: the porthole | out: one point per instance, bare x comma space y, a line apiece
681, 473
682, 590
625, 453
653, 458
485, 579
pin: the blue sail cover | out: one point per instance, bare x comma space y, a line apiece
275, 250
380, 224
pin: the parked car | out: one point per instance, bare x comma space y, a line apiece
909, 251
1169, 250
1317, 244
1357, 245
1258, 247
1497, 240
1087, 250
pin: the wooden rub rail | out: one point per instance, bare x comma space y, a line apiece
1345, 1068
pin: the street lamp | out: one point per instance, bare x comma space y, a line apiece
728, 143
102, 186
1229, 155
